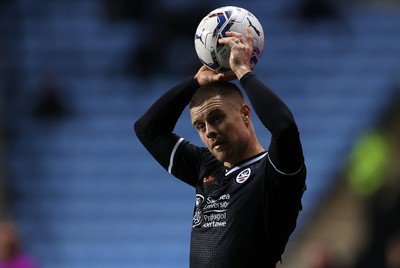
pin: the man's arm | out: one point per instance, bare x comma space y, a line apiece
154, 129
285, 150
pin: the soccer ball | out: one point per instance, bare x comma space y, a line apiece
215, 25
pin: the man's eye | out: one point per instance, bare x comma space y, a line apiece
217, 119
200, 126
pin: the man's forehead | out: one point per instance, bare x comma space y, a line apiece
212, 104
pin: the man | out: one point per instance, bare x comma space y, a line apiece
247, 199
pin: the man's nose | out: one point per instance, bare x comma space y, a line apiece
211, 132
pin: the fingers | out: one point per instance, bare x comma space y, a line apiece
237, 38
249, 37
231, 41
241, 51
205, 76
236, 41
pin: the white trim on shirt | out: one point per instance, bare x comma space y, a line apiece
283, 173
171, 158
251, 161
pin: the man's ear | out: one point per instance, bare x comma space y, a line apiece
245, 112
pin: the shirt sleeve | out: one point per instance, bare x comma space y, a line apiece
285, 151
155, 131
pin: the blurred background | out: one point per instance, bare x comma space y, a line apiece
82, 192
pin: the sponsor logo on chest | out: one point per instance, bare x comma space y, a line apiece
211, 212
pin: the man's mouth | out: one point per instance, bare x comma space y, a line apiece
217, 145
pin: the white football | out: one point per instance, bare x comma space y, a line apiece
215, 25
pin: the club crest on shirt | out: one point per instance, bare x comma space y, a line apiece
243, 175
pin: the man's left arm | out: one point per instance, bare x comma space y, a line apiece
285, 150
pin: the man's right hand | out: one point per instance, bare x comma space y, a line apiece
206, 76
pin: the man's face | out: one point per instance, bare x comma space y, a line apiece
222, 128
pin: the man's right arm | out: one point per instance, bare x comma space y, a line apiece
155, 128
